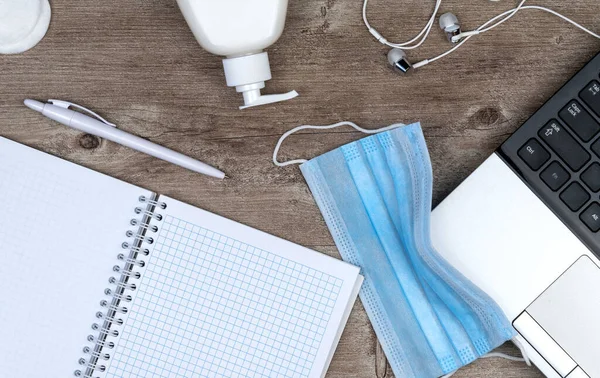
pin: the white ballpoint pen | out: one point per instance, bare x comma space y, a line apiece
60, 112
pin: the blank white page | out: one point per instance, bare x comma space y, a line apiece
61, 228
219, 299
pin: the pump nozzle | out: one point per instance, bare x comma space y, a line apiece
254, 98
248, 75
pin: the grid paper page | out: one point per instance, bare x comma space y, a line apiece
61, 228
217, 307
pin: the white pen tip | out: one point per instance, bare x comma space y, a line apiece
34, 105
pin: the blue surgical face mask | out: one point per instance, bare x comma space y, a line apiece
375, 195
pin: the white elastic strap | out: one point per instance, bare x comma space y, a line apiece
305, 127
522, 350
525, 357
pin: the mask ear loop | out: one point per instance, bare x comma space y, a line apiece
525, 357
307, 127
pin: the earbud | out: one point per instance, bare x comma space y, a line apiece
398, 60
449, 24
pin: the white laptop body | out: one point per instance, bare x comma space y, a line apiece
501, 236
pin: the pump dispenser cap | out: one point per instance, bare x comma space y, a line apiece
248, 75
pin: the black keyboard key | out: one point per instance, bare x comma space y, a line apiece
580, 121
596, 147
565, 146
555, 176
534, 154
575, 196
591, 217
591, 96
591, 177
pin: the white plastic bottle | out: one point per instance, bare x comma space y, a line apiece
240, 30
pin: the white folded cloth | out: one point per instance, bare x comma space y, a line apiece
23, 24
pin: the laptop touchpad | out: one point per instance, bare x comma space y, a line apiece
569, 311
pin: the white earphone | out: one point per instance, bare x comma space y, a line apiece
449, 23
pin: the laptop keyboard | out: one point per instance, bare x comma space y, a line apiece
557, 153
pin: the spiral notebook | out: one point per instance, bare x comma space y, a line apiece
101, 278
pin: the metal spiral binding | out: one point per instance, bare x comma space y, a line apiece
96, 357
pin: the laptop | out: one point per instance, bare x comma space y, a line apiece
525, 227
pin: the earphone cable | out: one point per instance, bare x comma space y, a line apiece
463, 37
408, 45
504, 17
508, 17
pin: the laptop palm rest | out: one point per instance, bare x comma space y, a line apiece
569, 311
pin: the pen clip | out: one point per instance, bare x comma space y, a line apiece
67, 105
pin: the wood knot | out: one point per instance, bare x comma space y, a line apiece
487, 116
89, 141
325, 8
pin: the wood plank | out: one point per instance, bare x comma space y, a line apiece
137, 63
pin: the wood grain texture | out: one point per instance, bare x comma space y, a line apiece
137, 63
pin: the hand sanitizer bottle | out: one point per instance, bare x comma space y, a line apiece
240, 30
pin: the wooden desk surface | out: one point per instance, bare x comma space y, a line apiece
137, 63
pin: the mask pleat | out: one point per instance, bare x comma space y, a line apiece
353, 234
399, 187
475, 310
455, 331
357, 158
408, 182
375, 195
